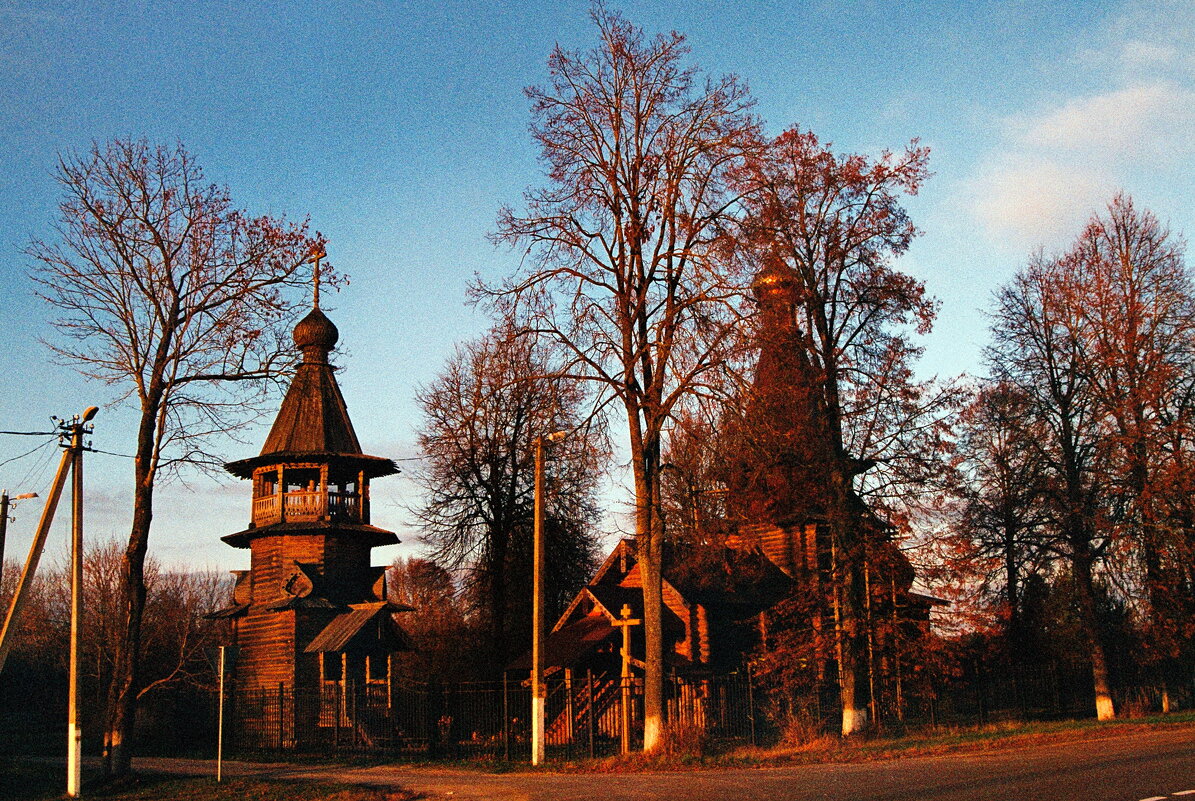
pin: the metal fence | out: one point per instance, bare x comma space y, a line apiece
585, 715
1041, 692
585, 712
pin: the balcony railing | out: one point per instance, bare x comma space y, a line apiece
305, 505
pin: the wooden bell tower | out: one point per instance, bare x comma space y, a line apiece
311, 611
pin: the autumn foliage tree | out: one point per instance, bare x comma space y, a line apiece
441, 637
838, 222
177, 299
621, 240
1099, 340
1137, 304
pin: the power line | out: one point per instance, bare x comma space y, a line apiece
26, 453
111, 453
31, 433
39, 465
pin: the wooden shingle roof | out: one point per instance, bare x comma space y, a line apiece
343, 630
313, 423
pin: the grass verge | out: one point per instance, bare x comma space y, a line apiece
37, 781
882, 746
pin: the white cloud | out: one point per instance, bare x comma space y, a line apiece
1143, 121
1032, 204
1139, 54
1149, 38
1053, 165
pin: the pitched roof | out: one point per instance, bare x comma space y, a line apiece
613, 598
313, 423
362, 531
566, 646
337, 635
314, 417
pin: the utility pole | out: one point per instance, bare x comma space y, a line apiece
5, 504
74, 731
71, 434
35, 550
539, 690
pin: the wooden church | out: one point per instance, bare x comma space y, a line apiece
719, 599
310, 616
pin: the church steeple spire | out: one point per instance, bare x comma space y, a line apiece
313, 422
315, 335
776, 460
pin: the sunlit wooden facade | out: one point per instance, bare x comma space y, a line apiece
719, 599
310, 616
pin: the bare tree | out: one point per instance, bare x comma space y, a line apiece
837, 222
1039, 348
638, 149
1003, 489
482, 416
178, 299
175, 630
1137, 304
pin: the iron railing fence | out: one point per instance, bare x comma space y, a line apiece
491, 720
584, 715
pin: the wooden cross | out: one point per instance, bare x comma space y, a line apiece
625, 624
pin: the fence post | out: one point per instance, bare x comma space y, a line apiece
979, 695
589, 693
625, 715
751, 704
354, 689
449, 718
570, 711
505, 718
1054, 687
337, 713
281, 730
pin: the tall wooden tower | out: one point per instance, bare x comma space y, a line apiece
311, 612
777, 467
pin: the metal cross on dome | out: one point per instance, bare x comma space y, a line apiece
317, 252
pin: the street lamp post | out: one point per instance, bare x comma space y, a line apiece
539, 690
74, 731
5, 504
71, 438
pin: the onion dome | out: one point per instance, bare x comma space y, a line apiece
315, 335
775, 279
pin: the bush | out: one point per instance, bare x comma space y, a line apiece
684, 740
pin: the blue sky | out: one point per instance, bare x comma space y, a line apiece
401, 127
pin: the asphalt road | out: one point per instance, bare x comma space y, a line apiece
1153, 765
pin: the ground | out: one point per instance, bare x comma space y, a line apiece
1096, 763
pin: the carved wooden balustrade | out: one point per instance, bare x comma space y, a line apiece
306, 505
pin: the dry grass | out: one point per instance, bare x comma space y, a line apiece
805, 744
950, 739
29, 781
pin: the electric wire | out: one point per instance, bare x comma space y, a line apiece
111, 453
26, 453
37, 470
